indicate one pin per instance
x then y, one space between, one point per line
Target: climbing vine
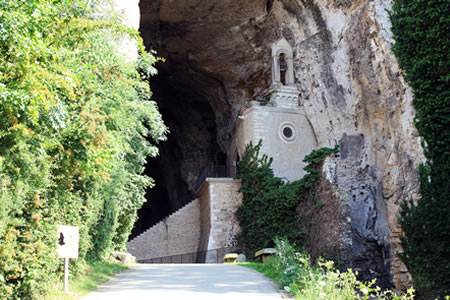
422 45
269 205
76 126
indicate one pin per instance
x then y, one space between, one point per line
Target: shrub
269 205
305 282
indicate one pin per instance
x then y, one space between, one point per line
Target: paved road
185 282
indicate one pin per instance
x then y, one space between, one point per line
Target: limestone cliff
218 59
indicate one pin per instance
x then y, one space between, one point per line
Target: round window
287 132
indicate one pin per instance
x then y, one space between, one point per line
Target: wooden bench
264 254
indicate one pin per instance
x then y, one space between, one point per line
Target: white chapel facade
286 133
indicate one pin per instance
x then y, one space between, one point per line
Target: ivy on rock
422 45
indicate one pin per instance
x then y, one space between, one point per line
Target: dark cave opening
193 94
191 146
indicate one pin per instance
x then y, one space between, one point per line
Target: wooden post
66 274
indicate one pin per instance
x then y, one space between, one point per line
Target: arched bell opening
282 63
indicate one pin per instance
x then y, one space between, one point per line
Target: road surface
187 281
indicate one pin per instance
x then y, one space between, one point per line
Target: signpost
68 238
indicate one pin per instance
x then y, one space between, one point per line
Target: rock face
218 59
125 258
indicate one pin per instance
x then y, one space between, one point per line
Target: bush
76 126
269 205
305 282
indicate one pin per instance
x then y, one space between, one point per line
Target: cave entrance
191 146
194 90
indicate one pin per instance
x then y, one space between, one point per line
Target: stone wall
206 223
219 199
177 234
203 195
225 200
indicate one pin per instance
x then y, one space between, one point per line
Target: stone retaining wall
206 223
179 233
224 201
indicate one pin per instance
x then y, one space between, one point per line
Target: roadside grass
295 274
267 269
93 275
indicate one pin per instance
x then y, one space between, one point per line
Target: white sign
68 238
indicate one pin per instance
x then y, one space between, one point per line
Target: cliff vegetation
421 31
269 205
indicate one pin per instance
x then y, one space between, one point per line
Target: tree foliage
269 205
421 31
76 126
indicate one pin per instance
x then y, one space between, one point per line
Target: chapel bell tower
283 90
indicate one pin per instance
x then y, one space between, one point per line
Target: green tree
421 31
76 127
